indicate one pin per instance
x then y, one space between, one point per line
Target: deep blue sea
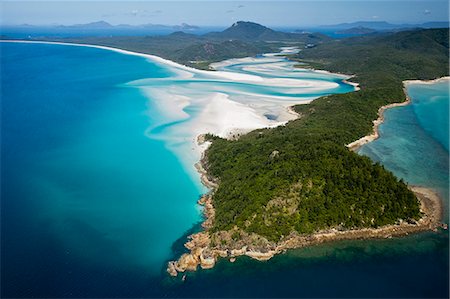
93 207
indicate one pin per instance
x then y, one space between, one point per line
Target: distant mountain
180 35
25 25
93 25
382 25
357 30
379 25
106 25
252 31
185 26
244 30
435 25
153 26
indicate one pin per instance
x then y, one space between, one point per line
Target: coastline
437 80
203 254
355 85
126 52
355 145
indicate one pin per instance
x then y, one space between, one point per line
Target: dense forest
301 177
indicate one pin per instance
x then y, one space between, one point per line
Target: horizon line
216 25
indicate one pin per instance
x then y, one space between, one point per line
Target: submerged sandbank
355 145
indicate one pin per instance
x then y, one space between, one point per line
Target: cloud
143 13
427 12
375 17
109 15
229 11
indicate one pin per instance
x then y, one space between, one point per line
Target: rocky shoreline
207 247
204 250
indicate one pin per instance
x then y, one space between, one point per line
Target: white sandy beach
442 79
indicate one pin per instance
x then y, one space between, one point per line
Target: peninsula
299 185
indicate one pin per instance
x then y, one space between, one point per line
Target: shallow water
414 139
431 106
244 94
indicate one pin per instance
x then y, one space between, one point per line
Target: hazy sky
222 13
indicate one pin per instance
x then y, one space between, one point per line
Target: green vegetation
301 177
187 49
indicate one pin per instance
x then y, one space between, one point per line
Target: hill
217 51
93 25
243 30
382 25
385 60
249 31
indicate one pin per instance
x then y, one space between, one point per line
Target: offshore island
302 183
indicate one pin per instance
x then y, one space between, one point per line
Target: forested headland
301 177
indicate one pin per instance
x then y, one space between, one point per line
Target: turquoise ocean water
414 141
79 176
93 207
